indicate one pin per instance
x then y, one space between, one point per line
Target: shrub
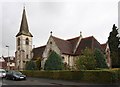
100 59
31 65
54 62
38 63
86 61
94 76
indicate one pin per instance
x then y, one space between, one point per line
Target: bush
100 59
94 76
86 61
54 62
31 65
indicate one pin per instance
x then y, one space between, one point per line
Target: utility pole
8 58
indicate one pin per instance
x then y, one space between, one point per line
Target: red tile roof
68 46
8 59
88 42
74 42
64 45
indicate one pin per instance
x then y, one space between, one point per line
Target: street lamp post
8 56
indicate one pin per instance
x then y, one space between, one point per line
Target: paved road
49 82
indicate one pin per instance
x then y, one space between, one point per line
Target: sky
65 18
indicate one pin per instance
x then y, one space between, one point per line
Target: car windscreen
18 73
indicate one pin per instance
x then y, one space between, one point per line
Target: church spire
24 30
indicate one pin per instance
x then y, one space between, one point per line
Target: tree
38 63
113 41
31 65
86 61
100 59
54 62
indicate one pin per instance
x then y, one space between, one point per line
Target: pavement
42 82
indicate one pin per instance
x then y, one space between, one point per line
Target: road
33 82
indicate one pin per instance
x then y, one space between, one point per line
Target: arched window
27 41
18 41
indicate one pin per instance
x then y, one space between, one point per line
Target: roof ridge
88 37
39 47
73 38
60 39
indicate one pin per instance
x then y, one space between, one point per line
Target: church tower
23 44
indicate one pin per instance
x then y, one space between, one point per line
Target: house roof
38 52
24 26
88 42
74 42
8 59
68 46
64 45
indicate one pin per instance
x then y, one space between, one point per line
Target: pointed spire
24 26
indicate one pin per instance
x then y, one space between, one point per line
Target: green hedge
96 76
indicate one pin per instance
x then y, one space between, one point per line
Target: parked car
15 75
2 73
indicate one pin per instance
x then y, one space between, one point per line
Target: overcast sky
66 18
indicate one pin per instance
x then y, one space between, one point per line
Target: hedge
95 76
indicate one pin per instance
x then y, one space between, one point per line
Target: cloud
65 18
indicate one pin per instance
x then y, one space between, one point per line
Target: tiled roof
68 46
64 45
74 42
88 42
37 52
8 59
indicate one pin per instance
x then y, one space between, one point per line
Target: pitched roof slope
64 45
88 42
74 42
38 52
67 46
24 26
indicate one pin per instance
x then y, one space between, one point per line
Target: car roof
2 69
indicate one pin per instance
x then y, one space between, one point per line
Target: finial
33 46
23 5
80 34
51 33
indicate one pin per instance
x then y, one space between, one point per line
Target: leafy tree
31 65
113 41
86 61
54 62
100 59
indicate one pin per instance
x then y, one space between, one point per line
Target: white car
2 73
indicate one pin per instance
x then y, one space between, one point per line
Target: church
68 49
23 44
